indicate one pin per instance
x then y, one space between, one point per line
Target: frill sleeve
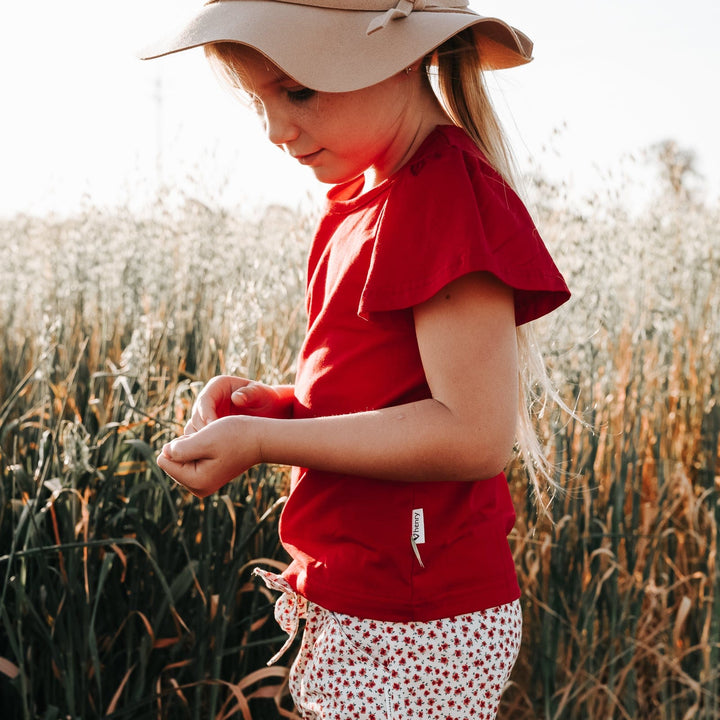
448 214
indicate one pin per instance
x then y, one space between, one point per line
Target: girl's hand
228 395
205 460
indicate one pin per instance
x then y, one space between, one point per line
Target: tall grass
622 600
122 596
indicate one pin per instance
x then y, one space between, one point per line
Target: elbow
483 454
469 446
484 466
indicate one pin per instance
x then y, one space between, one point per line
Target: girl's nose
279 127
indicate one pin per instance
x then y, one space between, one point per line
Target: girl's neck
426 115
374 176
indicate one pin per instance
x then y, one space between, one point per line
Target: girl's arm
467 342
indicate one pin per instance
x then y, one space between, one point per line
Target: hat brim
329 50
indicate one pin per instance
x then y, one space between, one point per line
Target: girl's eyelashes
296 95
300 94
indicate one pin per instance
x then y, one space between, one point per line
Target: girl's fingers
166 453
205 412
165 463
240 397
183 449
255 398
246 396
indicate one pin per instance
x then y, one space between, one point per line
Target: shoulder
449 213
449 187
449 173
446 149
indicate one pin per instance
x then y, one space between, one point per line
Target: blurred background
85 122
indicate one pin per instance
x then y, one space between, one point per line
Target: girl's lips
309 158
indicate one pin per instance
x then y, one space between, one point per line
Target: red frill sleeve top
375 255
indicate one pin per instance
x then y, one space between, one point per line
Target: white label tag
418 526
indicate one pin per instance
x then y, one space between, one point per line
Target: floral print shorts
351 668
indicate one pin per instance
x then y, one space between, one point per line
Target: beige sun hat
343 45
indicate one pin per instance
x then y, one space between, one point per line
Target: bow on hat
405 7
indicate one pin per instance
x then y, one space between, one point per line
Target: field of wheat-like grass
123 597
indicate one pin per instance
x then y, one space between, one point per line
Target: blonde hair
226 60
460 86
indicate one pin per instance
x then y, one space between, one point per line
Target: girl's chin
331 176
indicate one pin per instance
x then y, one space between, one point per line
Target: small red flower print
443 670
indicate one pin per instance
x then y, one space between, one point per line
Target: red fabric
374 256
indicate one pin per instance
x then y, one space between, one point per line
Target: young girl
405 406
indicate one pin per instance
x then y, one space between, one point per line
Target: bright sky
81 119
